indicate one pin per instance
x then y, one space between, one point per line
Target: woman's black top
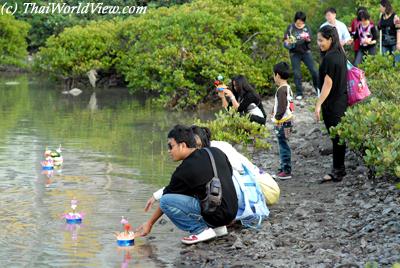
334 64
245 100
389 33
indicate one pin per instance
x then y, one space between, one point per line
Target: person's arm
282 103
326 89
374 34
397 25
146 227
346 35
229 94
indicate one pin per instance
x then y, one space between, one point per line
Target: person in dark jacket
297 39
180 199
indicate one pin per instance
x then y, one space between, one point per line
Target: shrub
231 127
383 77
176 52
79 49
12 41
373 130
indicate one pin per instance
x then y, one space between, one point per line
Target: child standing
282 118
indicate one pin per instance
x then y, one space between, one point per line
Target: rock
238 244
314 130
388 199
386 211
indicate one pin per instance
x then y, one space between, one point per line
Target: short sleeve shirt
334 64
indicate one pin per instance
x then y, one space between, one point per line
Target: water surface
114 146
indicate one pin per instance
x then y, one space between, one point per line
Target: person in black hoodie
244 99
180 199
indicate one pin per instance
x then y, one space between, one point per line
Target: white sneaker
299 97
207 234
221 231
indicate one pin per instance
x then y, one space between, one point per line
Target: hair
300 15
184 134
363 15
283 69
242 86
361 8
330 9
203 134
329 32
388 7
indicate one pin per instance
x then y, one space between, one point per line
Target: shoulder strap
212 162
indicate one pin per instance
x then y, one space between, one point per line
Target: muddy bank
345 224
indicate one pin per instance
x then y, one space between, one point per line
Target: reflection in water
114 158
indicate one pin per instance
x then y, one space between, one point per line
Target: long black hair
388 7
242 87
329 32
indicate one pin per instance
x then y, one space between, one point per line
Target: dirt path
344 224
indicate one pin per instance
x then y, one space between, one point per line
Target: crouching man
180 200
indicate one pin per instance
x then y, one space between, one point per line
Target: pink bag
357 88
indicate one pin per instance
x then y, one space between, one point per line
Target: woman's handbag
357 88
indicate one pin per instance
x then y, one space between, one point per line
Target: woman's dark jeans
296 59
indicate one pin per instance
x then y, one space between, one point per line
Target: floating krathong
127 237
73 217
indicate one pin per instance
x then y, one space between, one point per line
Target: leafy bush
383 77
231 127
79 49
12 41
373 130
45 25
176 52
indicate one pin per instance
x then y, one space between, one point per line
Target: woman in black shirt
389 24
333 98
244 99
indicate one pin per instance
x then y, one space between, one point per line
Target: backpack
357 88
252 208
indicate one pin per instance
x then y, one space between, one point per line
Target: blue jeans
361 53
296 59
184 211
391 50
285 153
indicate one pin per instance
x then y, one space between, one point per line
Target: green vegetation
79 49
175 52
46 25
231 127
372 128
12 41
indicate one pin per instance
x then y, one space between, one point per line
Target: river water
115 156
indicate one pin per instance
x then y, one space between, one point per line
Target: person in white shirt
343 32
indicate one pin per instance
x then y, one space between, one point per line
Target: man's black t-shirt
334 64
191 176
